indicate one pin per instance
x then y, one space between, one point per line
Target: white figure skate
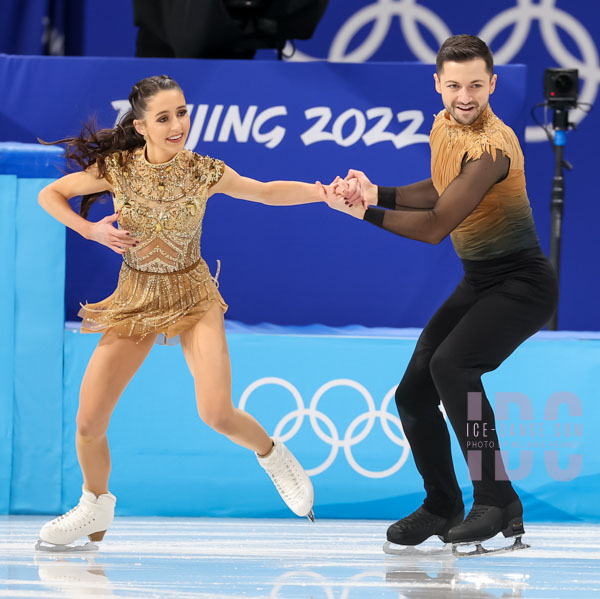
91 517
290 479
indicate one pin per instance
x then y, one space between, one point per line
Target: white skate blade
50 548
311 516
407 550
481 550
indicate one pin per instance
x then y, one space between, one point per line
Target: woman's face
165 126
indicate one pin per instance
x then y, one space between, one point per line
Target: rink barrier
329 394
32 259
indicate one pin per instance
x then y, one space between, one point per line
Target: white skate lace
75 518
285 478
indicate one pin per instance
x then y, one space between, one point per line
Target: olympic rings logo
331 436
381 14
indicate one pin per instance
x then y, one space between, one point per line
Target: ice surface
202 558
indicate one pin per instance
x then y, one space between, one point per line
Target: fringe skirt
145 303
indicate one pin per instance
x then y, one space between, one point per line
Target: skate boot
293 484
416 528
91 517
485 522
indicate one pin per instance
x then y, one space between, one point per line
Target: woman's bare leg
112 365
205 349
207 356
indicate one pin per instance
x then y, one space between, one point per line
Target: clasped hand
351 195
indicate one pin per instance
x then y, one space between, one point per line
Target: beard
466 118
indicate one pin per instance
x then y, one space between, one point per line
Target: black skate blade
481 550
311 516
407 550
50 548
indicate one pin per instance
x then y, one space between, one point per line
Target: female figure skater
159 191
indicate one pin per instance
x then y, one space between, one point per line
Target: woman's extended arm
273 193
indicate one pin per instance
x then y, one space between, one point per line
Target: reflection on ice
74 577
424 576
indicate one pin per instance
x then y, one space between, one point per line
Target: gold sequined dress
164 284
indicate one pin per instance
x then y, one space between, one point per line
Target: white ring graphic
331 436
381 14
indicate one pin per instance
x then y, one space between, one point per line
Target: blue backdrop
271 120
537 33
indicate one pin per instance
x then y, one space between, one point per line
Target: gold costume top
164 284
502 223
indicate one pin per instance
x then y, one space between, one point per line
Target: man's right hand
106 234
369 190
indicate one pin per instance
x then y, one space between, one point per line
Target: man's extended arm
457 201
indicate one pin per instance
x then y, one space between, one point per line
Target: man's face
465 88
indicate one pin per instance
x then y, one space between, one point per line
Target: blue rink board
167 462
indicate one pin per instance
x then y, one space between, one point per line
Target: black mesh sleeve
421 195
386 197
459 199
374 216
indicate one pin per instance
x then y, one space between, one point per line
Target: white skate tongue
50 548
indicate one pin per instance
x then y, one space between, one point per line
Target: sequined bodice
163 206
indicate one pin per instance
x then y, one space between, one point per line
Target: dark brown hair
460 48
92 146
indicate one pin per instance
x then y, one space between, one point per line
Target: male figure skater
476 194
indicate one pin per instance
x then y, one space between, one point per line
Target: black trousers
496 306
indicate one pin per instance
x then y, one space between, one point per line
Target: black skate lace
477 511
417 519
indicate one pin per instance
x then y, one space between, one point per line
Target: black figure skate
485 522
416 528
